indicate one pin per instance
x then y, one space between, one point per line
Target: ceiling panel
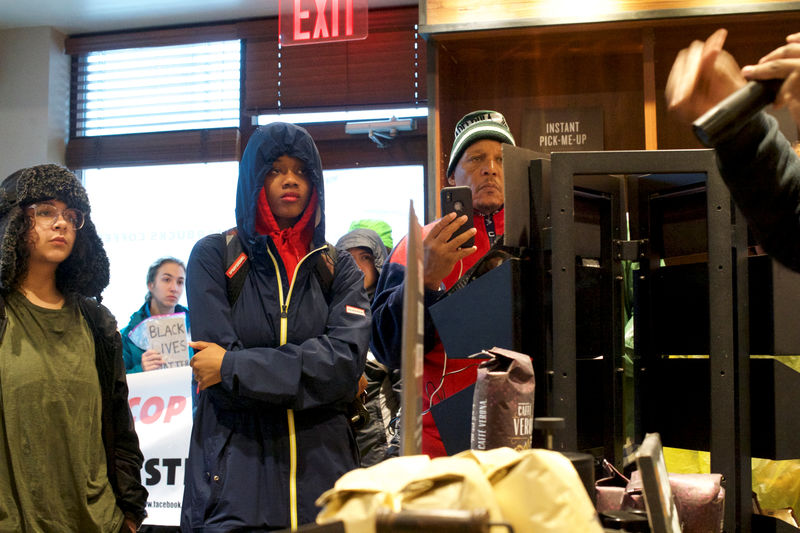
88 16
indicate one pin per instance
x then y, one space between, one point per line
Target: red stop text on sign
156 409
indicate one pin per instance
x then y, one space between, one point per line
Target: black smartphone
459 200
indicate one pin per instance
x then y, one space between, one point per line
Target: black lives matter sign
563 130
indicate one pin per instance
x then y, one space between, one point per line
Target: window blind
157 89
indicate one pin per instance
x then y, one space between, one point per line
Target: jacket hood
266 145
86 270
364 238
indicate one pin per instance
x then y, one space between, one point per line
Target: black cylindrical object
432 521
584 465
724 119
548 424
632 522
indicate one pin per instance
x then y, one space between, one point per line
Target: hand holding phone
459 200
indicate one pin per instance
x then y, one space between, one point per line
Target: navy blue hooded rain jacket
273 435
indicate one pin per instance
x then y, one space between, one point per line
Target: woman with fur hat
71 458
278 367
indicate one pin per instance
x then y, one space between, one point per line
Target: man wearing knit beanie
476 161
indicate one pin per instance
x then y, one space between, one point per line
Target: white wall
34 98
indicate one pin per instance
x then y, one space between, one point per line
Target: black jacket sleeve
762 172
123 456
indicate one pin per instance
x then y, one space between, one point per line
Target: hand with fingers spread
440 253
206 363
782 63
701 76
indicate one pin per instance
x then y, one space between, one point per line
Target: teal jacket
132 353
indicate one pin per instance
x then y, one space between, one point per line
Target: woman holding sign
70 458
165 281
280 351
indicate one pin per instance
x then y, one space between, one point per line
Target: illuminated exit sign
322 21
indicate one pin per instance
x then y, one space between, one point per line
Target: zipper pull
284 313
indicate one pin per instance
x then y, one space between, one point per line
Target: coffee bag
502 406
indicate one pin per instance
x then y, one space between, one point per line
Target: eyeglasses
46 214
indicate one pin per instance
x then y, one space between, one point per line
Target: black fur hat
86 270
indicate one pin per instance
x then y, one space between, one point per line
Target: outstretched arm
758 164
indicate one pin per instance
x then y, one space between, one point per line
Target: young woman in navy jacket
276 369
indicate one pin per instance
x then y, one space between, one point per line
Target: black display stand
691 297
694 293
570 228
648 175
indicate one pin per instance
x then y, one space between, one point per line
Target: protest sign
165 334
161 404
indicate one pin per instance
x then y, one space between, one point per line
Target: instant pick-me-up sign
563 129
318 21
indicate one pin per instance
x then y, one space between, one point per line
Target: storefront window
143 213
376 193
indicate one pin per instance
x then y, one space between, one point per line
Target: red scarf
293 242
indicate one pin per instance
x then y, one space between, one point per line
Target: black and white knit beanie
86 271
477 125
